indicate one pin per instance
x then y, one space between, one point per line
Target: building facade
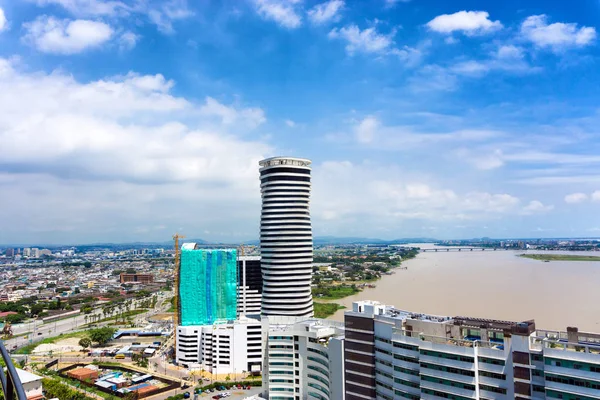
303 360
249 285
286 241
207 285
231 348
137 278
396 354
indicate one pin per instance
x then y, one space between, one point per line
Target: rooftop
26 376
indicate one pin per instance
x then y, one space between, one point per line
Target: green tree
102 335
85 342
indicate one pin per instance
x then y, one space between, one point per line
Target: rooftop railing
11 384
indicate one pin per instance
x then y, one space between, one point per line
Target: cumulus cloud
87 8
469 22
128 40
363 41
536 207
148 147
575 198
3 21
558 36
230 115
326 12
367 129
596 195
396 198
162 13
51 35
290 123
284 12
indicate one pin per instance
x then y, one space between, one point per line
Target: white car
226 394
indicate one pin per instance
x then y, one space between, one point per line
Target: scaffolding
207 286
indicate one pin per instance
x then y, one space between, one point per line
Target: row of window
447 356
450 370
443 394
492 389
572 364
446 382
573 381
492 361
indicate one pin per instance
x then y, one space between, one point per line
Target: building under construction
207 285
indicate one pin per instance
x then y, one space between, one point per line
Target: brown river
495 285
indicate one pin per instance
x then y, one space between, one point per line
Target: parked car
186 395
217 396
226 394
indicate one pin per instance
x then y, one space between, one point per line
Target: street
37 330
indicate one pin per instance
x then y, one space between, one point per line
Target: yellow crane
176 318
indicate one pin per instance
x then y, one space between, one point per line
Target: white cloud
575 198
325 12
164 13
596 195
283 12
468 22
433 78
557 36
230 115
128 40
51 35
536 207
506 58
396 199
159 158
89 8
392 3
367 129
161 13
363 41
290 123
509 52
3 22
472 67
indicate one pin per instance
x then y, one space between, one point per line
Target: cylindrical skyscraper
286 241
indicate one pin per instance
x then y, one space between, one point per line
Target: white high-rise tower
286 241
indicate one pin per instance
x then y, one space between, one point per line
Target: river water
495 285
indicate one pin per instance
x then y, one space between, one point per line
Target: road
37 330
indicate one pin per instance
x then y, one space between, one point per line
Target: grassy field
324 310
29 348
560 257
334 292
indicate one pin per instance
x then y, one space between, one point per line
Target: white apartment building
397 354
230 348
303 360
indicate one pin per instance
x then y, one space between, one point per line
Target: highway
37 330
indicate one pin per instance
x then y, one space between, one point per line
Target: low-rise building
137 278
32 384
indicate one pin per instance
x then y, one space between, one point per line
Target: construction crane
176 316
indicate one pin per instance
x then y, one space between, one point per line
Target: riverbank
560 257
324 310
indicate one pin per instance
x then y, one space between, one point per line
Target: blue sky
129 120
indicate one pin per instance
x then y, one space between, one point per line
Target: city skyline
128 121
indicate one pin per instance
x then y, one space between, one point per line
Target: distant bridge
448 249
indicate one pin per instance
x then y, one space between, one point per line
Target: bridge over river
448 249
